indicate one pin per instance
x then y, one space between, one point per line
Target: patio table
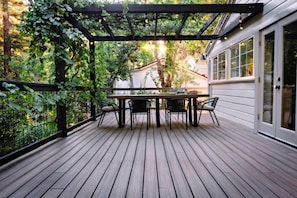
191 97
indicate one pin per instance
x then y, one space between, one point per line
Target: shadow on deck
106 161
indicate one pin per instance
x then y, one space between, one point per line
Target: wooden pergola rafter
117 22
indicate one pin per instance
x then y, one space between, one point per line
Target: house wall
145 77
238 98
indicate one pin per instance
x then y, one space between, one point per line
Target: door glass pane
268 78
289 76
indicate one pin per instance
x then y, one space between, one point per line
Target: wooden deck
208 161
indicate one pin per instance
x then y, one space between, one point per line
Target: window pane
250 58
268 78
250 70
235 72
250 45
246 58
215 69
243 71
289 75
222 64
243 59
243 47
234 51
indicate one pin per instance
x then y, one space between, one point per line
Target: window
242 59
235 61
215 69
219 67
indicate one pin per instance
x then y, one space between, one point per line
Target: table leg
158 112
195 112
121 113
190 110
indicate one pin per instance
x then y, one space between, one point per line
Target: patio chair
138 106
208 105
105 107
176 105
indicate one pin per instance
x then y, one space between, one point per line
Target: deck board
107 161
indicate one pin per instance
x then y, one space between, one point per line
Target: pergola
144 22
135 22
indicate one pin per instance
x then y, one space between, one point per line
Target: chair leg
147 120
186 121
211 117
101 118
199 117
170 120
216 118
115 113
131 120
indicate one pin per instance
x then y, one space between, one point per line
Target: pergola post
60 78
93 78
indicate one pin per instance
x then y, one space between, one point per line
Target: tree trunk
6 39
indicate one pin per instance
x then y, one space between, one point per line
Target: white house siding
144 78
239 99
236 102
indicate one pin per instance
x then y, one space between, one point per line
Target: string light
240 26
240 23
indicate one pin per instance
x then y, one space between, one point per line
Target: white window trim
228 64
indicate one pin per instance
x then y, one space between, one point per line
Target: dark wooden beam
156 26
93 79
185 17
151 38
60 78
79 26
130 26
173 8
106 27
207 24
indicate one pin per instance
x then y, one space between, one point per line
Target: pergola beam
153 37
207 24
172 8
130 26
79 26
185 17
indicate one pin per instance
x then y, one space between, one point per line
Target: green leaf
14 105
2 94
38 107
12 88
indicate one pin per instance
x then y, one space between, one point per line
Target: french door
278 81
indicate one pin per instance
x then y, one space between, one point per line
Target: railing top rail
133 89
35 86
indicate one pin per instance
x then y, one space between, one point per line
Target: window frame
239 59
217 64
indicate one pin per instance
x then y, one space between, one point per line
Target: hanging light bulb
240 27
240 23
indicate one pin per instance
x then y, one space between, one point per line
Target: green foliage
114 61
54 38
23 114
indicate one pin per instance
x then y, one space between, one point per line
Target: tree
13 45
6 39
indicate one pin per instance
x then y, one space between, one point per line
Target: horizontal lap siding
238 99
236 102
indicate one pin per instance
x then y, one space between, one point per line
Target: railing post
60 78
93 78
